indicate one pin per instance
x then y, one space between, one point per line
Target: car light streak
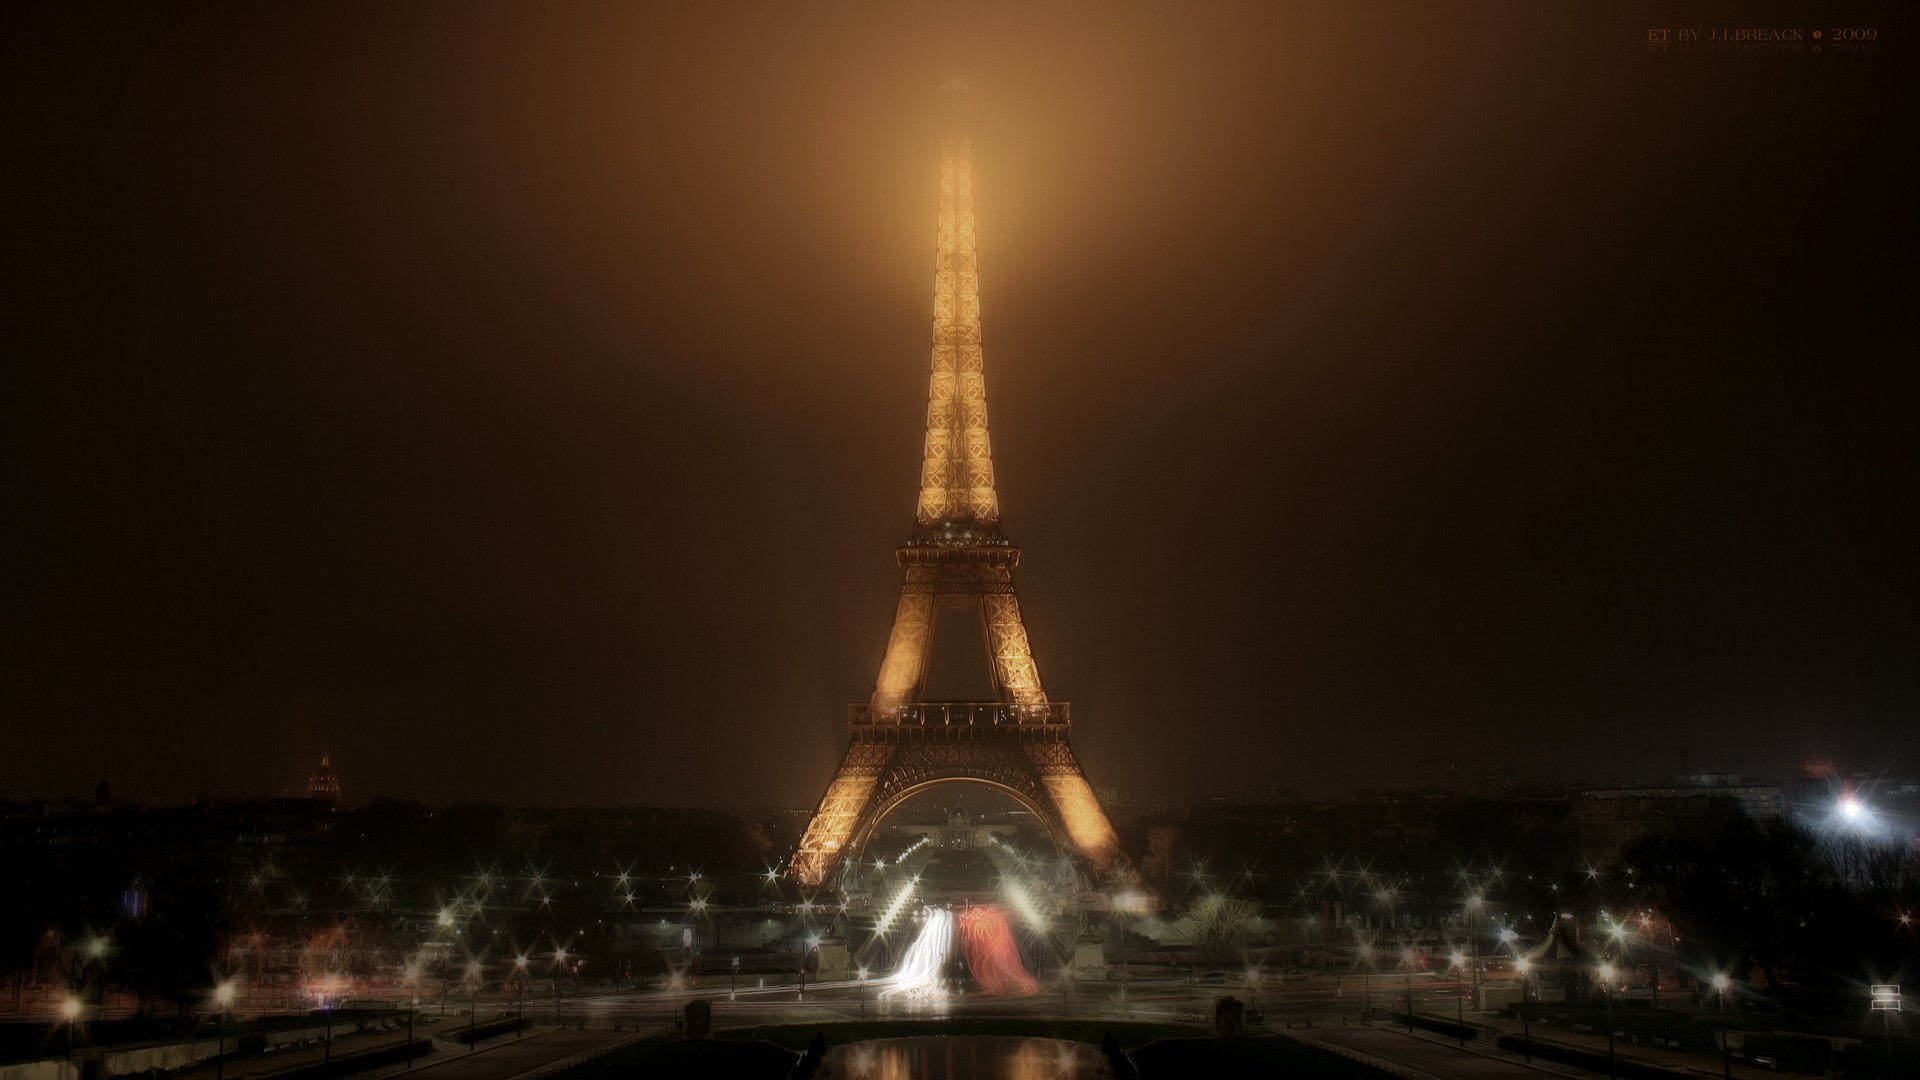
992 956
920 970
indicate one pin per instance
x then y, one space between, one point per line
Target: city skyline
518 428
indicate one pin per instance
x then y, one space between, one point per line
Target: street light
70 1012
1606 980
1127 903
1459 1003
1366 980
1720 984
1406 964
1474 903
1523 966
519 991
1618 932
223 997
473 1004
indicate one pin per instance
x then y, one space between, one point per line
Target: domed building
324 784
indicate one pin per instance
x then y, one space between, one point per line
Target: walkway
1418 1058
506 1057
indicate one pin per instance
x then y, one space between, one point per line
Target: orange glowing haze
1370 382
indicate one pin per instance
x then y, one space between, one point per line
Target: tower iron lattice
957 557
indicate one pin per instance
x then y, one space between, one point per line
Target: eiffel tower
900 744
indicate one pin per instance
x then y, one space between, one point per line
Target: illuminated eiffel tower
957 557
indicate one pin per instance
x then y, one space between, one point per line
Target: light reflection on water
966 1057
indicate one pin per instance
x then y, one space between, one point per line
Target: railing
952 714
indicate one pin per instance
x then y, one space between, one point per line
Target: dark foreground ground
1161 1050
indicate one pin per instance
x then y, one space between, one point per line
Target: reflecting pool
965 1057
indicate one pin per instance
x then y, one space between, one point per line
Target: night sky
524 401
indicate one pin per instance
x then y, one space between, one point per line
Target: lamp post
1459 1002
1366 980
223 997
1720 984
1474 903
1606 981
519 992
1526 1030
1618 931
1409 1000
1406 966
70 1012
1126 903
412 974
1653 959
473 1004
97 948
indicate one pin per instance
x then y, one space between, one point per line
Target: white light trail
918 975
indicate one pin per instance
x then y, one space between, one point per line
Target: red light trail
992 956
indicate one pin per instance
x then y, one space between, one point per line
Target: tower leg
841 810
1014 670
905 666
1075 804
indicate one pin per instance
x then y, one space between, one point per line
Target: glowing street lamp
1720 984
1459 1003
1406 965
519 990
223 997
70 1013
1366 979
1606 988
1130 903
1523 967
473 1004
413 979
1474 903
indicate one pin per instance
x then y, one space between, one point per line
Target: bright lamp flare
900 899
992 955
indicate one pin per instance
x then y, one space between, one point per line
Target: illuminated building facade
957 557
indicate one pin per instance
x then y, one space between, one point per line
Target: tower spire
956 473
